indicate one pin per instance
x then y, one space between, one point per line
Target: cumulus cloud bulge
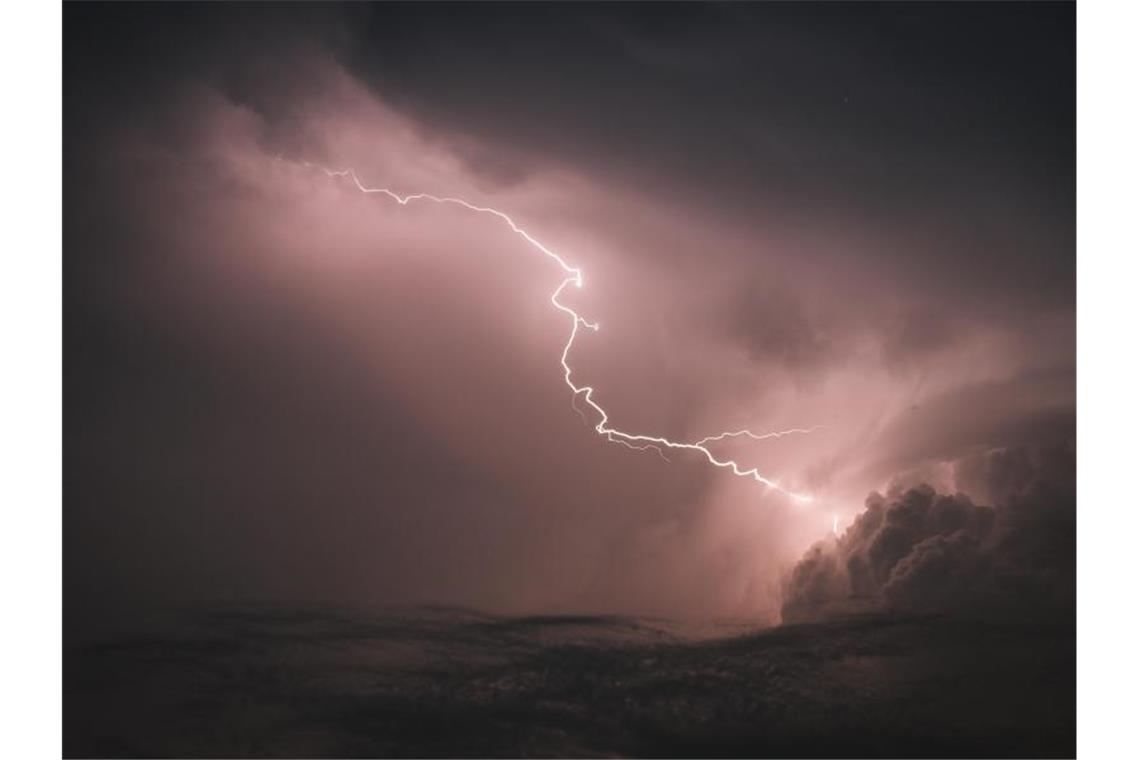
278 387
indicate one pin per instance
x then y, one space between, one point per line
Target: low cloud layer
1010 550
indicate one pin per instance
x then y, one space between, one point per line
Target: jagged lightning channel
573 276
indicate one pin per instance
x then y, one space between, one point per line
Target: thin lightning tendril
573 276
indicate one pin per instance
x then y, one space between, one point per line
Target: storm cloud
918 550
277 387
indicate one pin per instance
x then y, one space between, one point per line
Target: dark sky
859 216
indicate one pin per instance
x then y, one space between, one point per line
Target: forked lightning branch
572 277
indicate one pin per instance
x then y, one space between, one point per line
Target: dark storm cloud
918 550
949 128
942 135
851 216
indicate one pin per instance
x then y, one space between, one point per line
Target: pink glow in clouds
573 278
444 317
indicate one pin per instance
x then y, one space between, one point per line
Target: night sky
854 216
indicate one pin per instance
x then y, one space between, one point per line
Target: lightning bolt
572 276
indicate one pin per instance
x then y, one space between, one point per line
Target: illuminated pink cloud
444 316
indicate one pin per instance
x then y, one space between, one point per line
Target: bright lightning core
573 276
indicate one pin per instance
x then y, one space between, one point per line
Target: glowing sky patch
573 276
